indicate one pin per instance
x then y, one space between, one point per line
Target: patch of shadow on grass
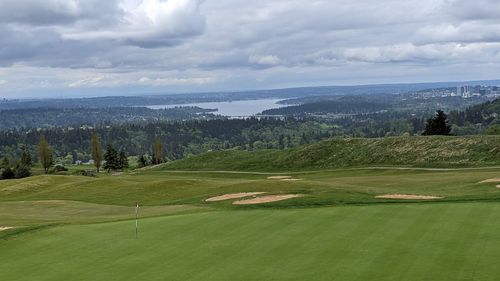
17 231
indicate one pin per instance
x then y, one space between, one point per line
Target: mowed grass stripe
405 240
288 241
459 241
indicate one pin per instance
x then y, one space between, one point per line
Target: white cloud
269 60
175 81
87 81
150 23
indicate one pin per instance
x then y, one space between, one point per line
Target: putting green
436 241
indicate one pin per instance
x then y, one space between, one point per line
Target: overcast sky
95 47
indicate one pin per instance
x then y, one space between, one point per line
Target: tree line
180 138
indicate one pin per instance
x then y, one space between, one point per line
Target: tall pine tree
123 160
437 125
111 158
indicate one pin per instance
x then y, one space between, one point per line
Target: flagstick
136 211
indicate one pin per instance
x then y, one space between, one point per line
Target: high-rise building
464 91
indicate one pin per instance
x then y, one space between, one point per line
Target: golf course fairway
431 241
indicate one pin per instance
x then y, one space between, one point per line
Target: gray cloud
474 10
53 12
229 44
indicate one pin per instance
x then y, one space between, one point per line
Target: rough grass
434 151
397 242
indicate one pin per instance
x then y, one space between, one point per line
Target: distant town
464 91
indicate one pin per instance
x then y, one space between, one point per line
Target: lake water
231 108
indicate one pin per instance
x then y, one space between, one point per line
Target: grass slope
159 188
434 151
32 213
398 242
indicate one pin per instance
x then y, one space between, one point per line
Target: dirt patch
3 228
233 196
491 180
267 199
408 197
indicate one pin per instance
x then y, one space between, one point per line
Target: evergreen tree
44 153
26 160
123 160
142 161
281 142
112 159
437 125
5 163
96 151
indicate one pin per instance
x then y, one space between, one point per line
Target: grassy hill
342 226
436 151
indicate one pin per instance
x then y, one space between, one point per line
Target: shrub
86 173
7 174
22 172
60 168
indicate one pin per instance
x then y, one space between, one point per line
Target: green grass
398 242
435 151
33 213
79 228
323 188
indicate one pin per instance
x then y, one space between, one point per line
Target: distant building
464 91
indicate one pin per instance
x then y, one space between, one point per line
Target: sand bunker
267 199
233 196
279 178
3 228
491 180
283 178
408 197
498 186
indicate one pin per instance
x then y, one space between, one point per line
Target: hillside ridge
418 151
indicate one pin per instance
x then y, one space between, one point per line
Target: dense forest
181 138
329 107
413 102
57 117
191 131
